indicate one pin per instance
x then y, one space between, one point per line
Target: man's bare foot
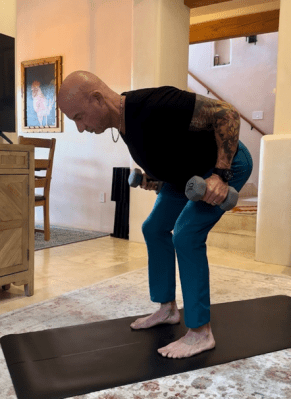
196 340
167 314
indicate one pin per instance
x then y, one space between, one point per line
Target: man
173 135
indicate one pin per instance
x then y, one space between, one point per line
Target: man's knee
148 227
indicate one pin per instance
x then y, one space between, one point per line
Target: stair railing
216 95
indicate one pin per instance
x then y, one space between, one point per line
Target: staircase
236 230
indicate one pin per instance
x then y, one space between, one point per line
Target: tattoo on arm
203 116
224 119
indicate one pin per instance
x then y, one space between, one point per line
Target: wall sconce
252 39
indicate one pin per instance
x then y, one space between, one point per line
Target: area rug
265 376
62 236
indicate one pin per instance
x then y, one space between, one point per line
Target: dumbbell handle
196 188
135 179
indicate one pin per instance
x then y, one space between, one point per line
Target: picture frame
41 80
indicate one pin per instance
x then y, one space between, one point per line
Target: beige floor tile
74 266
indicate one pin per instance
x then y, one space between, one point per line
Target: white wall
91 35
274 217
160 57
247 83
94 35
8 17
8 28
283 110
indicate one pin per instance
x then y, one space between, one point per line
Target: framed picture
40 83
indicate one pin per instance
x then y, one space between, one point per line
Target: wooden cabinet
17 216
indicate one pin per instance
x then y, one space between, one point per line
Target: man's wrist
225 174
214 174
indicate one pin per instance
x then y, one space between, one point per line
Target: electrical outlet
258 115
102 197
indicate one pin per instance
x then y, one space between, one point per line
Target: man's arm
225 120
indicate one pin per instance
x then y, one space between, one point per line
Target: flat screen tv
7 83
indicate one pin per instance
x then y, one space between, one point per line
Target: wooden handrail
216 95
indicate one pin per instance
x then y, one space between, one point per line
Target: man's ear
97 95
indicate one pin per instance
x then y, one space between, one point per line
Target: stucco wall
94 36
248 83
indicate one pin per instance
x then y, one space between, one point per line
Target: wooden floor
70 267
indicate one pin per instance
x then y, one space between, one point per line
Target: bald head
79 83
87 100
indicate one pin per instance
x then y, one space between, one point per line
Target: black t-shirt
158 137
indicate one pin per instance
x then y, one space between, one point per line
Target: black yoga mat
71 361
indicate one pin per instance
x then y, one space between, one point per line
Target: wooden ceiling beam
245 25
202 3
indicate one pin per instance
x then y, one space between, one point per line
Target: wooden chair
42 181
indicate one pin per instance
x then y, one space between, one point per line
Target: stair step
247 201
242 240
248 190
232 221
236 230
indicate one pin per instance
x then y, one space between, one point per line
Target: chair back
42 164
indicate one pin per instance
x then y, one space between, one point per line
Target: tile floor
70 267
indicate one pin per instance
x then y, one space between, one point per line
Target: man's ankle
171 304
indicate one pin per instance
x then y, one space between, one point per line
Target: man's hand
148 185
216 190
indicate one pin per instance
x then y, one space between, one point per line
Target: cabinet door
13 224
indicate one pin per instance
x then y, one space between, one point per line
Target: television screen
7 83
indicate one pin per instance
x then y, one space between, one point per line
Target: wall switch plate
102 197
258 115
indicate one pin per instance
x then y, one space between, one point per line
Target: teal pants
178 225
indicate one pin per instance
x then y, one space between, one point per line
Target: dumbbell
196 188
135 179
